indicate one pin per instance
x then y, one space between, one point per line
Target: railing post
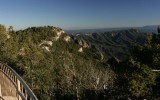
19 89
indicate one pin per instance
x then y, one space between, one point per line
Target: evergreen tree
2 29
10 29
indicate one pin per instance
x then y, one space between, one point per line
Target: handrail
23 90
1 98
155 70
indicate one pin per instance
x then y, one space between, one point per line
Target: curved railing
23 91
1 98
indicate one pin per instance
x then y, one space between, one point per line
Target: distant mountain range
111 44
148 28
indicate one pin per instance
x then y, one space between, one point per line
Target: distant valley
111 44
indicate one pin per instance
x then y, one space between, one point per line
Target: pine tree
2 28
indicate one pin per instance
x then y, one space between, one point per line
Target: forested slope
52 64
58 66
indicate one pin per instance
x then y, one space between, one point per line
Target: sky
79 14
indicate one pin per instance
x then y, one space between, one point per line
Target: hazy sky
79 14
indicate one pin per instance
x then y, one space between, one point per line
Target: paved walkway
12 86
7 89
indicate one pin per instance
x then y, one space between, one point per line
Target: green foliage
149 53
2 29
10 29
58 71
135 80
141 80
135 76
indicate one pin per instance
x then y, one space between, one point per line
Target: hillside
52 64
111 44
58 66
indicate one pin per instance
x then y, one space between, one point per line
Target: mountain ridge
146 28
111 44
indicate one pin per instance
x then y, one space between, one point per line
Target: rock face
80 49
67 38
46 48
58 34
80 41
46 45
111 44
46 42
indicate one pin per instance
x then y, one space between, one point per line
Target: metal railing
1 98
23 90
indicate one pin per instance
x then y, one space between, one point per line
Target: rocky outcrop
81 42
67 38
